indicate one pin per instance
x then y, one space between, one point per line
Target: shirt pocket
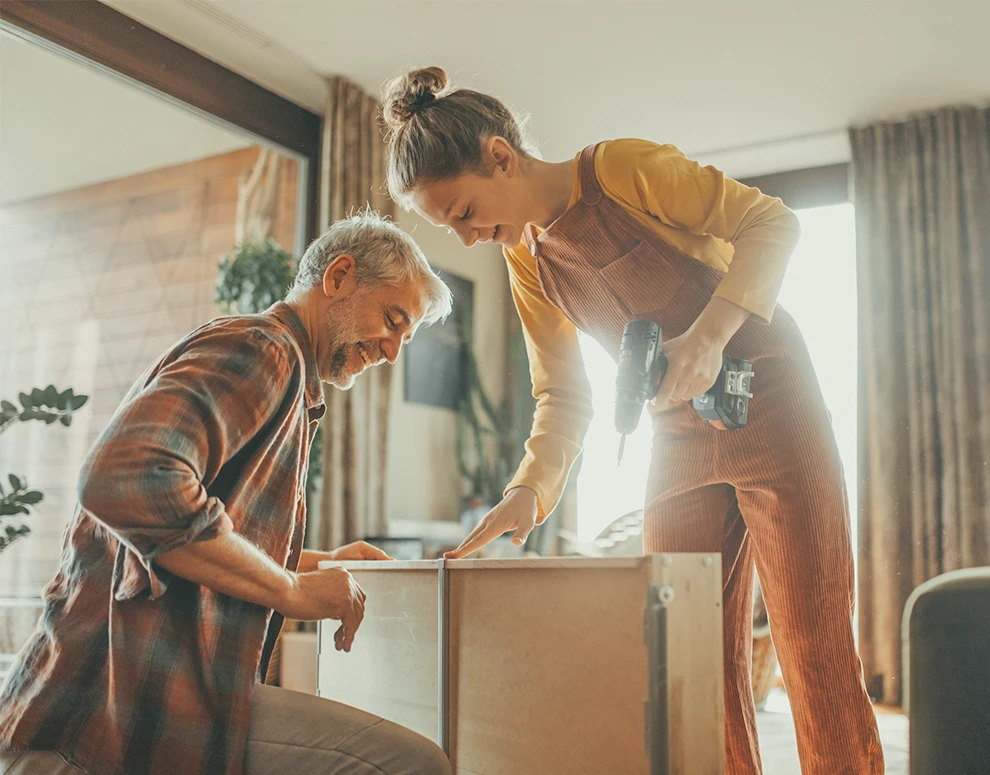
643 280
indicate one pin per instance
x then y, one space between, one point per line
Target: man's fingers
370 552
358 618
350 623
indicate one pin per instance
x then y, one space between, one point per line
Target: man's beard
342 335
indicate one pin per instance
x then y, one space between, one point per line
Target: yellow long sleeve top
736 229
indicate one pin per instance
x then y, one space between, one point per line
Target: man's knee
420 755
429 759
397 750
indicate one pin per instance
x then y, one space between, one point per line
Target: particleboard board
694 648
548 670
547 665
392 667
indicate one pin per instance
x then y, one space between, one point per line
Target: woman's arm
560 422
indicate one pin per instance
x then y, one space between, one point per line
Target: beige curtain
922 198
355 428
257 199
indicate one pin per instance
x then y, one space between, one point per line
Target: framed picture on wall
435 361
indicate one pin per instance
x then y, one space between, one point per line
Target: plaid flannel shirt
133 670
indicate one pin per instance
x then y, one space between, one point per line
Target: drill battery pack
726 404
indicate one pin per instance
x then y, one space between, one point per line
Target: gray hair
383 255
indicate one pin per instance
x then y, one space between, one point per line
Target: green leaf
6 509
7 407
63 399
25 400
37 396
66 420
21 510
77 401
50 419
51 396
11 531
32 497
15 482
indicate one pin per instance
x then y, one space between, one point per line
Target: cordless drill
642 365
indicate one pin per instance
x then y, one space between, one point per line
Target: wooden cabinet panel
546 663
392 668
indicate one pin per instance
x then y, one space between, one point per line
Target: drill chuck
641 367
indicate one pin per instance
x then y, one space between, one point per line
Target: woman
630 229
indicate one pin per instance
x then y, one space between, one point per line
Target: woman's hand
693 364
694 358
516 512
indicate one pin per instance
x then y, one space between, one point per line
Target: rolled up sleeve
146 479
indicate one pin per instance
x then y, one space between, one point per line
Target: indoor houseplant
17 500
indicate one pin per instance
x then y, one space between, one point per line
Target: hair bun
409 93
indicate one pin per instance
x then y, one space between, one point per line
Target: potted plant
253 276
47 406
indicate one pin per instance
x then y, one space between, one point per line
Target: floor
779 749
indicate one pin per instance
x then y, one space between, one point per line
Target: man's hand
234 566
517 511
331 593
359 550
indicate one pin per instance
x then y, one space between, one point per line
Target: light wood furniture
531 667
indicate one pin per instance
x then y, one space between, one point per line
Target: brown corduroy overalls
772 492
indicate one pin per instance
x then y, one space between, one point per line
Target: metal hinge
655 708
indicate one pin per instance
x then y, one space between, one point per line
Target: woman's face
479 208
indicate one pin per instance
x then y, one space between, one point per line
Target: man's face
367 327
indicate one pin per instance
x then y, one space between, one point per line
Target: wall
96 283
424 482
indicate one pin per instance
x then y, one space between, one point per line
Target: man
189 533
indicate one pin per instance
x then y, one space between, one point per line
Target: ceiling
64 126
754 87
